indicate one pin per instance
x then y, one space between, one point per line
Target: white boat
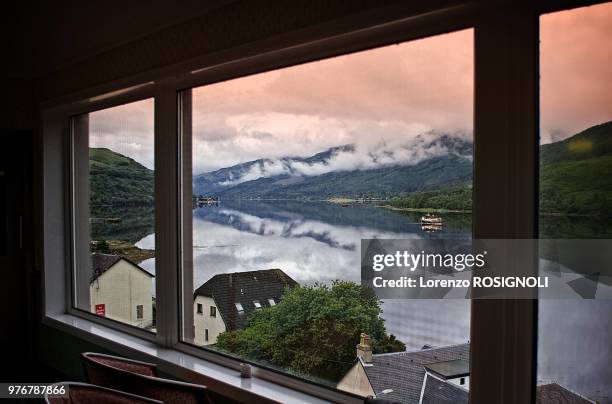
430 219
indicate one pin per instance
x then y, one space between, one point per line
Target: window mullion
166 214
503 334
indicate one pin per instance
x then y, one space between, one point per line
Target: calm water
319 242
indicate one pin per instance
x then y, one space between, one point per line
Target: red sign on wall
101 309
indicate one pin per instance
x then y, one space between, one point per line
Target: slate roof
101 263
450 369
403 372
244 288
555 394
441 392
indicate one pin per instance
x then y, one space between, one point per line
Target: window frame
501 96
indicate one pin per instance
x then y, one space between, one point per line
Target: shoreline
423 210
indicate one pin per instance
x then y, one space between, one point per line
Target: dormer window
271 302
257 304
239 308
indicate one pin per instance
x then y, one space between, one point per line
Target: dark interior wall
223 25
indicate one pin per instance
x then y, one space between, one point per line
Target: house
224 302
121 290
408 377
427 376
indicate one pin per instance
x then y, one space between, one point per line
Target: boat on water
431 219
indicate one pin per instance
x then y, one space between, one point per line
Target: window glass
113 176
290 170
574 350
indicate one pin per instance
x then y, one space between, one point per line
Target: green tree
313 330
102 247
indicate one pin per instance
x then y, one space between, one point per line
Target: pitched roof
403 372
554 393
244 288
437 391
450 369
101 263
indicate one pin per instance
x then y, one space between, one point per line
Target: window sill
218 378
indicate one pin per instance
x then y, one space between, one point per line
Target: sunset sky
379 99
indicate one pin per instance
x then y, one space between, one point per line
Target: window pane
574 350
114 213
291 169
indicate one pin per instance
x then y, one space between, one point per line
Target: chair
140 378
81 393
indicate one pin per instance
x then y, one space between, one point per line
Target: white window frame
505 196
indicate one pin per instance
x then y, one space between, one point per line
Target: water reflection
319 242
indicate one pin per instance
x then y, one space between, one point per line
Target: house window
139 312
206 334
290 168
213 311
199 308
113 178
576 199
462 381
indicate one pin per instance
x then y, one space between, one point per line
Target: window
113 181
574 334
291 168
206 334
199 308
213 311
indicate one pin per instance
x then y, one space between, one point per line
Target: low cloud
367 154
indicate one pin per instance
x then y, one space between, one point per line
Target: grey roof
555 394
101 263
403 372
450 369
441 392
244 288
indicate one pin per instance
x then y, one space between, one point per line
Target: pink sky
383 96
576 70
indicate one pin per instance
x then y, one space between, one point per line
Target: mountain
576 173
118 180
447 164
593 142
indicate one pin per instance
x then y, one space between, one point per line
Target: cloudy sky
378 100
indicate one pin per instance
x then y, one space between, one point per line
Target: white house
121 290
224 302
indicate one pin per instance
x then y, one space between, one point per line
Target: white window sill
188 367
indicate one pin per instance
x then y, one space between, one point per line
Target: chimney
364 350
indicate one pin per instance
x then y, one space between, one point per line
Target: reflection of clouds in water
581 331
434 322
307 250
147 243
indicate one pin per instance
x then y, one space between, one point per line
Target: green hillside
454 198
118 180
576 173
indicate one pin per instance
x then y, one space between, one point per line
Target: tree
313 330
102 247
